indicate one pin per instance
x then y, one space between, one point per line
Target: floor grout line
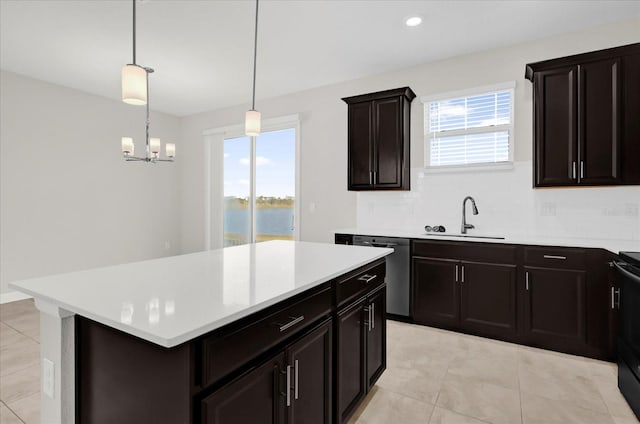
13 412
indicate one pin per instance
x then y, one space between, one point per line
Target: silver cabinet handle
615 304
370 178
526 280
573 171
555 257
456 273
373 315
581 169
294 321
288 385
368 322
462 274
367 278
295 373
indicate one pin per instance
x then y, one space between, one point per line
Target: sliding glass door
260 187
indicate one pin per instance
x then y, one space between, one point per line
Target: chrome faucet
466 226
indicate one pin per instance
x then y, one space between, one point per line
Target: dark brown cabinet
350 364
311 361
259 388
294 385
585 118
557 298
379 140
376 337
555 308
361 343
456 292
297 361
361 350
488 294
436 292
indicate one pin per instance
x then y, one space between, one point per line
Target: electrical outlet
631 209
167 245
548 209
48 377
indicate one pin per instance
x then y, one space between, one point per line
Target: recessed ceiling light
412 21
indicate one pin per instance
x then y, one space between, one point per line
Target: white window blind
469 129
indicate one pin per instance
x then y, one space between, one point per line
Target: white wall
326 203
67 199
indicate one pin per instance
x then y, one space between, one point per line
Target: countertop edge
605 244
190 335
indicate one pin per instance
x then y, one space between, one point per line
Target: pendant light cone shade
252 123
134 85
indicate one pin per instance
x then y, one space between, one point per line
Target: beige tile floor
432 377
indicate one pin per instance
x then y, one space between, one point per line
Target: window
474 127
251 183
259 187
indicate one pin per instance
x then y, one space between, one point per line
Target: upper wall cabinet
379 141
587 118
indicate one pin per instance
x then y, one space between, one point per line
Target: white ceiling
202 51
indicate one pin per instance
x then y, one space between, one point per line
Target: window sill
477 167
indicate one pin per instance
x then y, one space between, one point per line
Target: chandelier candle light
135 91
252 117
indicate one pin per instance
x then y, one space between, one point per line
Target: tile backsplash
507 205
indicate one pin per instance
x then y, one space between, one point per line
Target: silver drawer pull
367 278
555 257
294 321
288 385
295 373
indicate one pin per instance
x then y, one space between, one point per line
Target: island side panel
123 379
57 359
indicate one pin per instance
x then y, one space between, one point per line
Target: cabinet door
555 312
388 142
488 299
599 122
360 146
555 129
311 359
376 337
630 157
436 292
253 398
351 386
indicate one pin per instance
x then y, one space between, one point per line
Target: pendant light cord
134 32
255 55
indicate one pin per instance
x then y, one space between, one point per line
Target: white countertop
614 246
171 300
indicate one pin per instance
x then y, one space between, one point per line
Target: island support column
57 346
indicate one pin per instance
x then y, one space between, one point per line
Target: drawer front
363 281
555 257
466 251
224 353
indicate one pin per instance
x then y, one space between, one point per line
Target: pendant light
134 85
135 91
252 117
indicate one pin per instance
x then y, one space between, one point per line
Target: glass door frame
214 177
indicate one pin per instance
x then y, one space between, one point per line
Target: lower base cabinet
361 350
556 298
296 362
292 387
555 308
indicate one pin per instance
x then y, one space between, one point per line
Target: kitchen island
263 332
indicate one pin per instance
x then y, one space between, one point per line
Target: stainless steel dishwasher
397 271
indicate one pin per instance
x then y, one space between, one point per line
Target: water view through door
259 187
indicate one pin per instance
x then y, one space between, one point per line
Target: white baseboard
12 296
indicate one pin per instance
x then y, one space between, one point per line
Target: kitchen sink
463 235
